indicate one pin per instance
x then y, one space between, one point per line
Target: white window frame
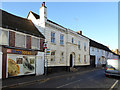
72 40
20 34
79 58
79 46
85 59
2 29
61 40
38 48
54 56
85 47
53 38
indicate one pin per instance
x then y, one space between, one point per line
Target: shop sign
14 51
20 65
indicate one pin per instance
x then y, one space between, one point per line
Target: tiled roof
99 45
16 23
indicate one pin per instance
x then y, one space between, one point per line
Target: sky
97 20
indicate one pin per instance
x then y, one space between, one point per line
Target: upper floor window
72 40
19 40
85 46
92 48
79 44
52 37
61 39
3 37
97 50
35 43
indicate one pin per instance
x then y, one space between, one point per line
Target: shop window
53 56
3 37
19 40
61 39
52 37
35 43
79 45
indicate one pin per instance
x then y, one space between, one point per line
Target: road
91 79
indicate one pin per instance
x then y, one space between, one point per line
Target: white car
112 67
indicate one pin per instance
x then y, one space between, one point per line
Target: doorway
71 60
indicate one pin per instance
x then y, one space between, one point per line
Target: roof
99 45
20 24
38 17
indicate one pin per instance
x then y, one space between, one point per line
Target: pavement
27 80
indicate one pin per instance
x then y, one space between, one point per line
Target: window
35 43
79 44
61 39
3 37
85 46
62 57
52 37
19 40
85 59
97 50
53 56
79 59
92 48
72 40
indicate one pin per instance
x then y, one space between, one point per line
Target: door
92 61
71 60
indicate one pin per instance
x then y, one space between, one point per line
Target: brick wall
11 39
28 42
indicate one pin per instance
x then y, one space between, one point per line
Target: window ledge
53 43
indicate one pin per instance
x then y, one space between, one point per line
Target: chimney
79 32
43 14
43 4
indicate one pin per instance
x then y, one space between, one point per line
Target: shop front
18 62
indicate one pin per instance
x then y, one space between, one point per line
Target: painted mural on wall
20 64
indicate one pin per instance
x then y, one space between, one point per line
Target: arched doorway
71 60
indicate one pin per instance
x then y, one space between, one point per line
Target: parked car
112 67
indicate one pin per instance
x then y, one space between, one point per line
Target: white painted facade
101 55
40 63
68 48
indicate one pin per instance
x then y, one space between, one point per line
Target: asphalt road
91 79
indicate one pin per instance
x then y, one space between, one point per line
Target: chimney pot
79 32
43 4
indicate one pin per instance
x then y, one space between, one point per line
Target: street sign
48 52
45 45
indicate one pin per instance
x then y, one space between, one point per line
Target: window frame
79 46
25 39
53 38
2 29
38 48
61 40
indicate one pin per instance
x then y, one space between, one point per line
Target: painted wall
40 63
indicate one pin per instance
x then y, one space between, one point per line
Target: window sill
62 45
53 43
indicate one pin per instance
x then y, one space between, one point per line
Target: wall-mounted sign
48 52
20 64
45 45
